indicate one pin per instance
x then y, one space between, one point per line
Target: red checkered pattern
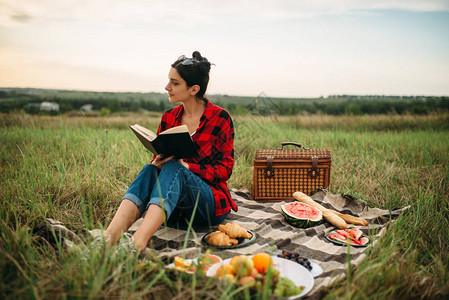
214 140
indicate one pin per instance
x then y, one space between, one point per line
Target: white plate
316 269
289 269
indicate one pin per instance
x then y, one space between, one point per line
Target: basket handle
291 144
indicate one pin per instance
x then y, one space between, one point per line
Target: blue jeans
180 189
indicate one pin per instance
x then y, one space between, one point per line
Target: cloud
13 15
21 18
14 12
85 43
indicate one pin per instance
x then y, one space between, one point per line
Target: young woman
167 189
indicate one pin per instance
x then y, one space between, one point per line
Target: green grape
275 272
287 287
278 291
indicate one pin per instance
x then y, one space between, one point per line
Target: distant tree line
333 105
27 103
347 107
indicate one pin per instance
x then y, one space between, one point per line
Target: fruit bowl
288 269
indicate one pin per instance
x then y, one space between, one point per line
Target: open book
174 141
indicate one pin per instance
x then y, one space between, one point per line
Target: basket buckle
269 172
314 172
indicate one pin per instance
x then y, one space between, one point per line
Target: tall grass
76 169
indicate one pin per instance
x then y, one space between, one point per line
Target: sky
282 48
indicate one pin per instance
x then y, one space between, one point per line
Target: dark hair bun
197 56
203 66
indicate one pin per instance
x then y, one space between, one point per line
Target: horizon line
261 94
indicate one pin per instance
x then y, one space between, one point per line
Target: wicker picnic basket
279 173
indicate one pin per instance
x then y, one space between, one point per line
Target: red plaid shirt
214 140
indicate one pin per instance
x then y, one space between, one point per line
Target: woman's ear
194 90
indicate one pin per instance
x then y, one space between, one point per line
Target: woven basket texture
291 172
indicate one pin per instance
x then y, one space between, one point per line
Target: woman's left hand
159 161
182 162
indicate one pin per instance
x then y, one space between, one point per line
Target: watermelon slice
351 236
344 233
301 215
353 233
364 241
338 237
356 234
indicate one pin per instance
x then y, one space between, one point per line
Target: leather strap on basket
314 172
269 170
292 144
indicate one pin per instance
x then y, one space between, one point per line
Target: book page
177 129
145 132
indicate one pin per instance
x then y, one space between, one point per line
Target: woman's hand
159 161
182 162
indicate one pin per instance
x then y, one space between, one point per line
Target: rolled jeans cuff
165 206
133 198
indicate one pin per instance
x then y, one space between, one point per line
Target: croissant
219 238
234 230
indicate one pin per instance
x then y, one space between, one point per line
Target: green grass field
76 170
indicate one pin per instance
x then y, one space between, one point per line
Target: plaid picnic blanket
273 234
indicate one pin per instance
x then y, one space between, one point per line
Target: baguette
334 219
327 214
351 219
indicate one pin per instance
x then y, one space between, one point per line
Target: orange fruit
262 261
223 270
180 262
233 259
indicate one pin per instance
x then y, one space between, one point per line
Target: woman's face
177 88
